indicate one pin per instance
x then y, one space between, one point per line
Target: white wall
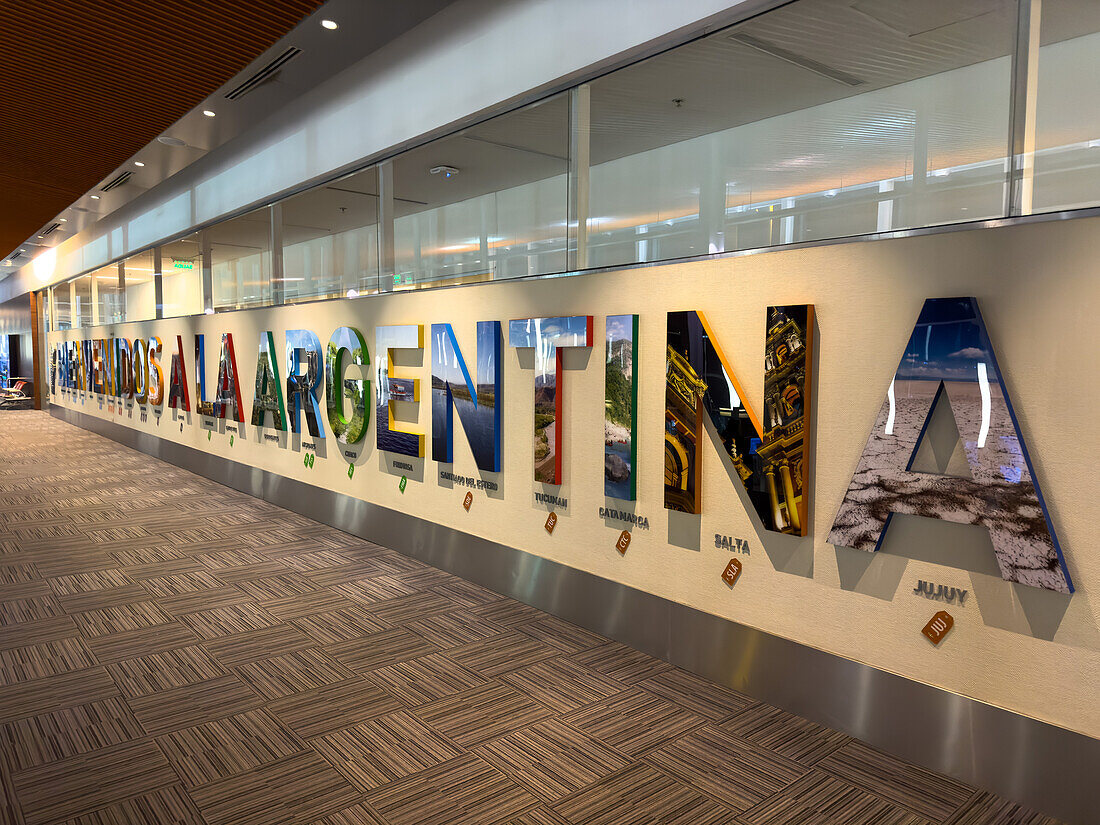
1038 286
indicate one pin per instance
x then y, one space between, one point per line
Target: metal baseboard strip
1037 764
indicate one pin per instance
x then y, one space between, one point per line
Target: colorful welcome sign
949 360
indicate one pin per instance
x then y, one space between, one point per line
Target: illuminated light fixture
831 193
353 293
62 220
95 197
447 172
210 310
208 113
329 24
45 264
138 163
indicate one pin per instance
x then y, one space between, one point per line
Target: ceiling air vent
121 179
263 74
51 228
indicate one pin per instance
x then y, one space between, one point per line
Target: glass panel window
241 260
816 120
84 311
61 298
330 239
181 276
1067 119
108 302
489 202
141 298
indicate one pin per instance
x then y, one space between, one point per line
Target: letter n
769 454
478 404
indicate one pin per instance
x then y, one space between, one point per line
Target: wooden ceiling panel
85 85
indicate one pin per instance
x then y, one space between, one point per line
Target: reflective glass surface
487 203
240 251
330 239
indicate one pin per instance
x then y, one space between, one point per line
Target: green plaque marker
305 460
312 458
404 481
209 433
231 440
351 470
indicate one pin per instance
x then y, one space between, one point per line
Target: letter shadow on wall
389 463
491 478
788 554
1031 611
631 507
178 416
552 491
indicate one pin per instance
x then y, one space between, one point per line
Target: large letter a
949 358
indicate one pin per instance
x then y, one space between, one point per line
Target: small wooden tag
551 522
623 542
466 502
732 572
938 627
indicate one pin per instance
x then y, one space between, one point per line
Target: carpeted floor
173 651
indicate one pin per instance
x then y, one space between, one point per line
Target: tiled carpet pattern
172 651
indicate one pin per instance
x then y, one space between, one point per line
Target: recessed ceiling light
329 24
95 197
42 236
138 163
208 113
63 220
168 140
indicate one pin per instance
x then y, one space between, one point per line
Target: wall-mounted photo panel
548 336
620 408
988 480
179 393
124 362
478 403
227 402
390 388
203 406
345 343
769 455
156 375
269 389
140 366
303 380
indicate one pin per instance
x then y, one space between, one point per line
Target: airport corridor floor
173 651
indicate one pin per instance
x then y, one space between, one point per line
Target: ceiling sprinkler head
446 171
